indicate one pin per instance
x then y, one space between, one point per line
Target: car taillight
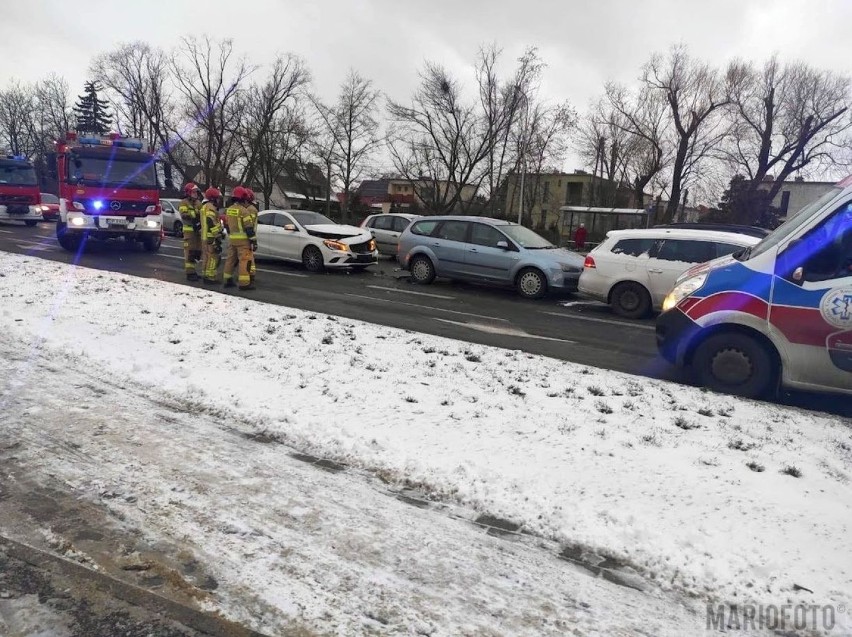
589 262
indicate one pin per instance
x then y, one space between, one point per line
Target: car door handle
474 250
654 271
436 244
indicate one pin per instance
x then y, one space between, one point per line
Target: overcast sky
584 43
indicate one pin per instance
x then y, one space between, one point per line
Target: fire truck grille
115 207
17 200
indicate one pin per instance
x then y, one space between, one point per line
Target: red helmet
212 193
250 194
190 188
240 193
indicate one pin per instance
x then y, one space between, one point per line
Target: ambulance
775 315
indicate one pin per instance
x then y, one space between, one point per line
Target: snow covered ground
692 490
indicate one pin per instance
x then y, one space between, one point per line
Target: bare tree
785 119
353 127
279 147
17 120
270 117
645 118
138 78
53 102
447 147
212 84
695 93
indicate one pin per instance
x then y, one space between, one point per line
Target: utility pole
524 142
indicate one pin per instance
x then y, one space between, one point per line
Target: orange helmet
212 193
240 193
190 188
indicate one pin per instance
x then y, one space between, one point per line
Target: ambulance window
827 248
686 251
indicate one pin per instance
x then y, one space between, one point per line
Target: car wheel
178 229
531 283
631 300
66 240
312 259
422 270
735 364
152 244
30 222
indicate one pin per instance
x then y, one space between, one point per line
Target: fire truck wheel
152 244
67 240
30 222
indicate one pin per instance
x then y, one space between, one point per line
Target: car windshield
311 219
788 227
17 174
526 238
108 171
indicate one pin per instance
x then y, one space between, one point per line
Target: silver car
487 250
386 229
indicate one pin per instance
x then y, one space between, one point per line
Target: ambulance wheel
30 222
734 364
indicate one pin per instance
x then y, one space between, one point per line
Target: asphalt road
568 327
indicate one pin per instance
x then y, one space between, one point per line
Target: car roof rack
752 231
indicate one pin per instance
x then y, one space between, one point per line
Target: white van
777 315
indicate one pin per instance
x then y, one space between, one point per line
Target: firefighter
241 237
211 236
189 210
252 208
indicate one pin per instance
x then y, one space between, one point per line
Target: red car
49 207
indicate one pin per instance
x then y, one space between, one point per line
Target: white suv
633 270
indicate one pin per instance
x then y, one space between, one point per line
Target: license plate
116 222
365 258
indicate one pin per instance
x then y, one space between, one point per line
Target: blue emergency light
98 204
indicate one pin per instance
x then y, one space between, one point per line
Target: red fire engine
19 193
107 188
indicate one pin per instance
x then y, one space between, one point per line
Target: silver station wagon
480 249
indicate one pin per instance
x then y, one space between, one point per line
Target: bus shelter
599 221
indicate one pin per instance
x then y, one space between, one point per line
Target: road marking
576 303
6 231
504 331
33 247
434 296
578 317
426 307
296 274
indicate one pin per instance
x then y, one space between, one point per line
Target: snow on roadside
647 472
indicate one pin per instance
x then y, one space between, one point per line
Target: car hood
564 257
349 234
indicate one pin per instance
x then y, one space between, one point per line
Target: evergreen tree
743 205
91 111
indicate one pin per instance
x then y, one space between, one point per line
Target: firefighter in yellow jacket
211 236
241 238
252 208
189 209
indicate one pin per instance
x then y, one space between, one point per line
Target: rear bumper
675 332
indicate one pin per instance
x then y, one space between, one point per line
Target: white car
634 270
386 229
171 216
314 240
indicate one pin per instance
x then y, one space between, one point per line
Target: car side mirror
290 227
503 245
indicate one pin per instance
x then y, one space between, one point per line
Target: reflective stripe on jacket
189 211
210 226
238 218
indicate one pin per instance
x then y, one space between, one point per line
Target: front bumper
339 259
675 331
104 226
20 213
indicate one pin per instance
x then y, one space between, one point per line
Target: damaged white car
314 240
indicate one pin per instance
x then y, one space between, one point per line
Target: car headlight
372 245
45 209
331 244
77 221
152 223
683 290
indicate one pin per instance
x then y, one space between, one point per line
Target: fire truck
19 192
107 187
